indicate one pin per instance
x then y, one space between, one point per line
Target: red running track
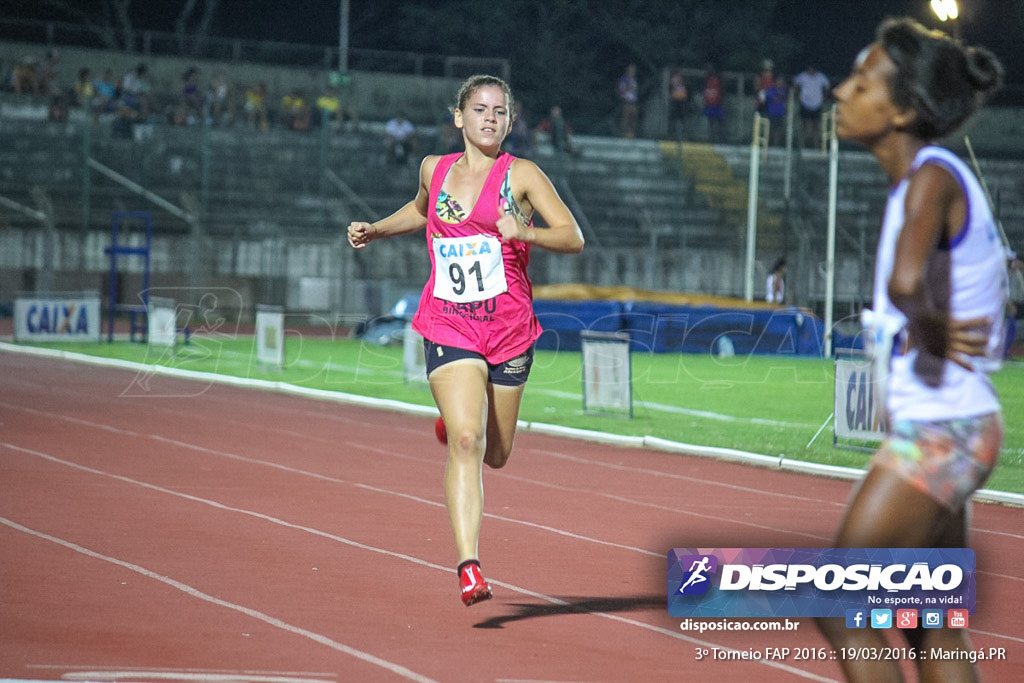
156 529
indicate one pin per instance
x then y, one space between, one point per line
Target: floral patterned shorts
947 460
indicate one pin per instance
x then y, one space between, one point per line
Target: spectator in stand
812 87
519 141
762 82
256 106
295 111
24 78
775 109
678 102
218 95
775 288
59 106
400 139
559 131
85 90
451 137
48 74
627 89
106 92
1015 302
133 105
190 107
713 111
328 107
135 92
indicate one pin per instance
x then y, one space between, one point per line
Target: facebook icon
856 618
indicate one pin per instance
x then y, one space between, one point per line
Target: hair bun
984 71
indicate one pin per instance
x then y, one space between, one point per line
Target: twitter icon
881 618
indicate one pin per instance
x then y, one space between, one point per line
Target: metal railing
233 50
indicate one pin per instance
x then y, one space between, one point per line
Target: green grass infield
777 406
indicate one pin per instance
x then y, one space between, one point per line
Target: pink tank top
479 296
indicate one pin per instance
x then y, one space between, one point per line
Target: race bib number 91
468 269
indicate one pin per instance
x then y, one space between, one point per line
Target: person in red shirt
713 111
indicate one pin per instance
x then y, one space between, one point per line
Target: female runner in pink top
476 312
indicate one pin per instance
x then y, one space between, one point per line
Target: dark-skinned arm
934 211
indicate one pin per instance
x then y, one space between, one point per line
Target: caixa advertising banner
60 316
817 582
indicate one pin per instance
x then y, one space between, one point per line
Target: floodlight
945 10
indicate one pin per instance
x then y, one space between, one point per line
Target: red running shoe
471 581
441 431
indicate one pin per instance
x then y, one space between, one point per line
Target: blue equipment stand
136 312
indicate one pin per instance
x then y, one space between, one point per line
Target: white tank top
979 287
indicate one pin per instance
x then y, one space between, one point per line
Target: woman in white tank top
940 280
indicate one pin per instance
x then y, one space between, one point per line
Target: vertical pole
787 182
86 173
112 299
204 161
759 138
830 259
343 38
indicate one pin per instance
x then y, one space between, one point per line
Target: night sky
831 32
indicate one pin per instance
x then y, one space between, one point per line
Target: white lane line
88 672
553 454
679 410
255 614
984 495
564 395
407 496
362 546
997 635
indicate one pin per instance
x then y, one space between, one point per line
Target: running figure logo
696 581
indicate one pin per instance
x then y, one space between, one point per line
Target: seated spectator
400 139
135 92
190 107
125 119
106 92
24 80
559 130
295 111
451 137
329 108
85 90
256 106
519 141
48 74
218 100
59 106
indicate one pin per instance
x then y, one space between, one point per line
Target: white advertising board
67 316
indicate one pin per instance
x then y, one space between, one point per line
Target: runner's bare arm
409 218
535 193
